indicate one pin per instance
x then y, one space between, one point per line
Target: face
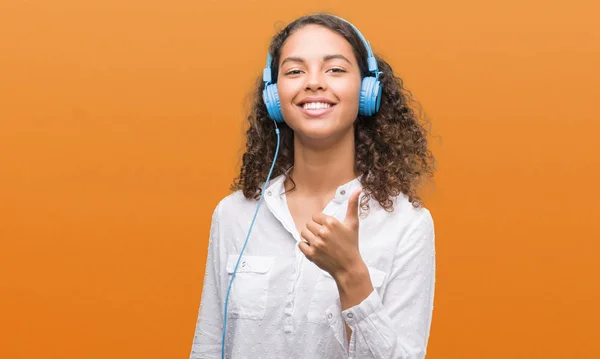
318 83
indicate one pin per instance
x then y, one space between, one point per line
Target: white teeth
316 105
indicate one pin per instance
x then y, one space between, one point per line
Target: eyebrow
325 58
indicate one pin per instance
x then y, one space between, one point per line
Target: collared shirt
283 306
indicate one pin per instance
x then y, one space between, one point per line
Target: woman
316 278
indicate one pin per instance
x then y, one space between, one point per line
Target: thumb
352 212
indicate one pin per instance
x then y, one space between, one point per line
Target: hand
333 245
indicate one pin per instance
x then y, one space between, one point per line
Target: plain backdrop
121 127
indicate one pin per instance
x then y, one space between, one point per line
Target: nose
315 81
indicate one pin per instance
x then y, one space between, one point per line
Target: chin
317 135
319 131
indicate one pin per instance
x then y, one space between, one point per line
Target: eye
338 70
293 72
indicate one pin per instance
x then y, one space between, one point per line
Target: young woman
316 277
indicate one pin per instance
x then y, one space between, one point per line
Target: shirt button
350 315
268 193
243 263
329 315
343 192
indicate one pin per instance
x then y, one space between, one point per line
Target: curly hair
391 154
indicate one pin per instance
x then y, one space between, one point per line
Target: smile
316 109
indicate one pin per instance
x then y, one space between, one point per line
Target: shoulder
415 224
401 233
406 217
236 205
232 204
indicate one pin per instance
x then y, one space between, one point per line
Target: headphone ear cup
377 91
362 99
271 99
370 96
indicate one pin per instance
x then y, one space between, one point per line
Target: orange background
121 128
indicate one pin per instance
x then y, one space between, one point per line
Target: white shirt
283 306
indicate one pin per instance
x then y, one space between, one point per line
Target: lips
314 106
316 112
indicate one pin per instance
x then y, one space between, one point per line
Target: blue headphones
370 91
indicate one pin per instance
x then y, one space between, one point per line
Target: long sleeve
397 326
207 336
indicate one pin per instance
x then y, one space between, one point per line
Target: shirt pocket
326 294
250 289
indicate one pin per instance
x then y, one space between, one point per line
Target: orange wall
121 126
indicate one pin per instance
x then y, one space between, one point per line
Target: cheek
287 90
348 92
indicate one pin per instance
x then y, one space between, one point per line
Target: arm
396 326
207 337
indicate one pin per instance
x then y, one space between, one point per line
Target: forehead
314 41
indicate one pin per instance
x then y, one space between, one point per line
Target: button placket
290 297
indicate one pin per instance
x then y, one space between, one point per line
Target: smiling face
318 83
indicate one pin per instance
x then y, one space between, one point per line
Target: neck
320 170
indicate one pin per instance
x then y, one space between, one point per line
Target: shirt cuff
359 312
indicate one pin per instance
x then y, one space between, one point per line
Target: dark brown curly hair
391 146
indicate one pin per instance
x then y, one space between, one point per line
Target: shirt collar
343 192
